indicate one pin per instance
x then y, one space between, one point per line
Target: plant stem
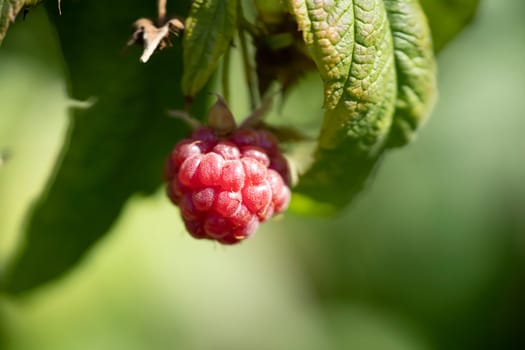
186 118
256 117
248 69
226 75
161 8
249 27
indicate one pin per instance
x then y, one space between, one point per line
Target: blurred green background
432 256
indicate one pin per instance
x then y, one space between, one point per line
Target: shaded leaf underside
116 148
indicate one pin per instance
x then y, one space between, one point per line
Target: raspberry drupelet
225 184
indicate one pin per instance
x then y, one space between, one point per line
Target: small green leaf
9 9
209 31
115 148
351 43
415 68
447 18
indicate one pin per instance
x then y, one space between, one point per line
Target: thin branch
248 70
161 8
226 75
186 118
256 117
252 29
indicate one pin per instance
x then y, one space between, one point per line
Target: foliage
374 57
209 31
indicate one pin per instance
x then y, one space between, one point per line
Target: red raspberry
225 186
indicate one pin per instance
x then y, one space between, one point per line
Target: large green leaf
375 59
9 9
210 27
115 148
447 18
415 68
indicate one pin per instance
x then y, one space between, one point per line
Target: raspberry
226 185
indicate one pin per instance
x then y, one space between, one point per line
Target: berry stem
226 75
220 118
161 8
248 69
258 114
253 30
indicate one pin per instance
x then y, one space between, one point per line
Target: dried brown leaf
153 38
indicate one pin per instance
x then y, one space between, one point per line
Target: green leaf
415 68
379 75
9 9
447 18
350 41
209 31
115 148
